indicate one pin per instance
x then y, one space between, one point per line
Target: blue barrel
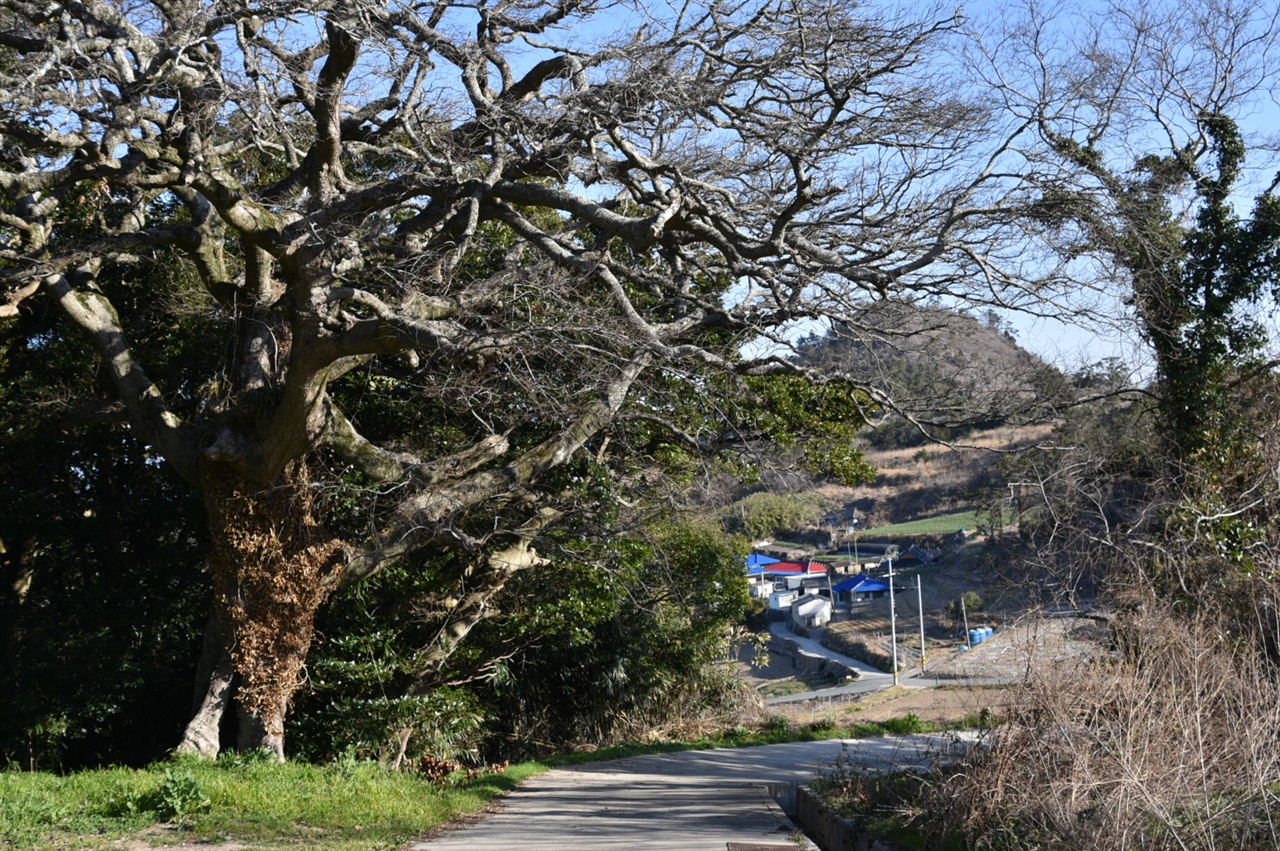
987 632
976 636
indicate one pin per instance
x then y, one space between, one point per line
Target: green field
942 525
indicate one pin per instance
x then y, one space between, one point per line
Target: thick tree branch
422 514
148 413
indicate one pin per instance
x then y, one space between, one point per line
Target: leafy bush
624 635
179 794
982 720
778 725
905 725
972 603
766 515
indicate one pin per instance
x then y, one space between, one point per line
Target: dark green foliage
98 651
357 701
652 639
972 604
618 634
1193 284
822 419
102 590
766 515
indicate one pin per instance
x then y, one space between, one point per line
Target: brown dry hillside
912 483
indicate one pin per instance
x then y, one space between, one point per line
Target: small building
782 599
814 584
860 587
783 575
808 566
810 612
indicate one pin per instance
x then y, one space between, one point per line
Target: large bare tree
525 210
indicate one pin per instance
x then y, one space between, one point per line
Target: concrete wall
829 831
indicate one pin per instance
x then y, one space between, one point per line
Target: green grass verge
258 803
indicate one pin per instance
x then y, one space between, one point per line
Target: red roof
793 567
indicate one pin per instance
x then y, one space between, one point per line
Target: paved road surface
869 679
688 801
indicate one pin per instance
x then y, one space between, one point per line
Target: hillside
950 371
918 482
959 388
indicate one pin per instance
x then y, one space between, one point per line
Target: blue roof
861 584
758 560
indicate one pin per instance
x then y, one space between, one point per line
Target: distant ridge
950 370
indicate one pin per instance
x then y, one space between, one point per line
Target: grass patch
807 681
779 688
350 807
942 525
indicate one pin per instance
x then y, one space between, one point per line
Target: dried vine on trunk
274 565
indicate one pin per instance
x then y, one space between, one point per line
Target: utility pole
920 606
893 625
853 527
965 614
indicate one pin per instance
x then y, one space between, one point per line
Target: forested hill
949 370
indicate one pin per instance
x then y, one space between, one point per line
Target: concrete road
869 679
690 801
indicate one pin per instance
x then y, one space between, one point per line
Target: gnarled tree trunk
215 678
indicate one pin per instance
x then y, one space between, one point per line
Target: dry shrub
693 710
1171 741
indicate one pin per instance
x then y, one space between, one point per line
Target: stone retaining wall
807 662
